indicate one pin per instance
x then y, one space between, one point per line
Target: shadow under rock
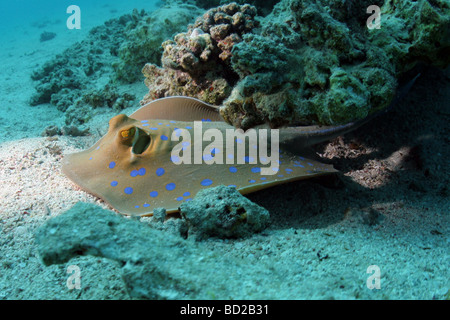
415 132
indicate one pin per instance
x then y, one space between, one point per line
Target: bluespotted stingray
133 167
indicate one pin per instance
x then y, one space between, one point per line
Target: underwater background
377 229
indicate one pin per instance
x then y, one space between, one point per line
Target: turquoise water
17 12
25 15
22 24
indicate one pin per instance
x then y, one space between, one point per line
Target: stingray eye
129 133
135 138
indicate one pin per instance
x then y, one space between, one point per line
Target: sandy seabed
388 206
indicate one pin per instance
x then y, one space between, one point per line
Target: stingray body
134 169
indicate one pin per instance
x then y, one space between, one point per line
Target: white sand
319 245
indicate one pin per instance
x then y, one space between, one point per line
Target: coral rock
223 212
308 62
197 63
315 63
144 254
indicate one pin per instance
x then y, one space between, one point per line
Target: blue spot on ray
233 169
256 170
142 171
154 194
134 173
112 164
186 194
164 137
206 182
170 186
114 183
128 190
160 172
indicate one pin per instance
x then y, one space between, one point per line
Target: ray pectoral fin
75 166
178 108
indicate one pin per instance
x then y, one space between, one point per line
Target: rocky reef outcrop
308 62
197 63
